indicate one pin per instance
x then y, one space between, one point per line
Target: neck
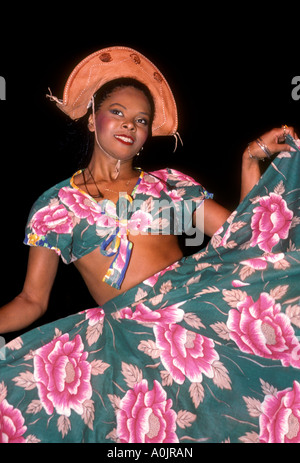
104 168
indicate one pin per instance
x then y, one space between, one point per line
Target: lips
125 139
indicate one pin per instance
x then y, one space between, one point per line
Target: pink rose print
280 418
261 263
238 283
185 353
106 224
82 206
63 375
139 222
271 222
225 238
54 217
94 316
11 424
150 186
260 328
154 278
151 280
146 416
176 195
143 314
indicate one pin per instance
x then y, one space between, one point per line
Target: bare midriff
150 254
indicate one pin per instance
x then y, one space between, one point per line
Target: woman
152 364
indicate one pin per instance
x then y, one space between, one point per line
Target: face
122 123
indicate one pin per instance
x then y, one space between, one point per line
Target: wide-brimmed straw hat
112 63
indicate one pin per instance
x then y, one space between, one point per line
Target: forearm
266 146
250 174
33 300
19 313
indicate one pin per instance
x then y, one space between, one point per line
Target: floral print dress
206 350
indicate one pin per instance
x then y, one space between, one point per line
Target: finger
289 130
275 139
284 147
283 132
274 135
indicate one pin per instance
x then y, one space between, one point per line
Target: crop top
72 223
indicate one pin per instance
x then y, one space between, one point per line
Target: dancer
179 349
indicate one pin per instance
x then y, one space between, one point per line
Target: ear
91 125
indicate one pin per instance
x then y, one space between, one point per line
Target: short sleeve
50 225
187 188
187 195
174 198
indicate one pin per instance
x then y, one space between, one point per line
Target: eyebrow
124 107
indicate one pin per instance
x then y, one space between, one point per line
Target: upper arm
40 276
210 216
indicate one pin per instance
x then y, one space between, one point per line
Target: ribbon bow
117 242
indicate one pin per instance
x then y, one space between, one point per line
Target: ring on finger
284 130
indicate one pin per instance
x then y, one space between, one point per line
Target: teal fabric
207 350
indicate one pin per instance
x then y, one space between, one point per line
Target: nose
129 125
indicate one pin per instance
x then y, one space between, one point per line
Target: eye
142 121
116 112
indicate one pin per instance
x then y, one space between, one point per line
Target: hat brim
112 63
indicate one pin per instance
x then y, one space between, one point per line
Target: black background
230 70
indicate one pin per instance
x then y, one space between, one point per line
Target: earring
91 125
137 154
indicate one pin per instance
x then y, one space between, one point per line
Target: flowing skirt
206 350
